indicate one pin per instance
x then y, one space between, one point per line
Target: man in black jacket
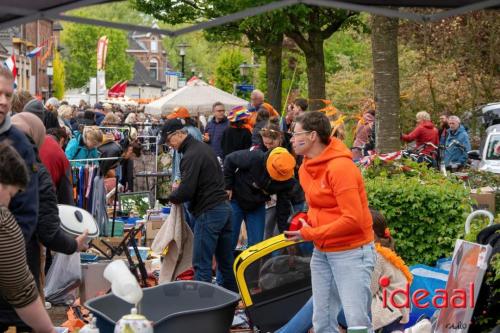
202 185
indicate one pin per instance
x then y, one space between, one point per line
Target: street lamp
50 73
245 69
182 52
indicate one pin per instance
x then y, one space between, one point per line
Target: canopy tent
15 12
197 97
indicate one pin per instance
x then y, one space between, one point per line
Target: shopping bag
63 278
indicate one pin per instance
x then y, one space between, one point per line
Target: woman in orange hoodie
340 225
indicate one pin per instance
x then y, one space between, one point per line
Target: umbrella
197 96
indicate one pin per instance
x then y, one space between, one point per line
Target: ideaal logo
458 298
457 326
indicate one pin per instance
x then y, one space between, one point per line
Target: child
387 264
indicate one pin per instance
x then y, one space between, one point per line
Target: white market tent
198 97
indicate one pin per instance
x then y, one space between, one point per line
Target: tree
263 33
309 27
386 82
227 70
58 76
80 43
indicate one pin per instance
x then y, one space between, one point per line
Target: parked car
488 154
490 114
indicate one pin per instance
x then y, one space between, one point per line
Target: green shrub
425 211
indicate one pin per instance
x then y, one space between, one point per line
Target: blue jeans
341 280
254 221
189 217
301 322
212 236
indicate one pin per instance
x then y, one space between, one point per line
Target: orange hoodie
338 207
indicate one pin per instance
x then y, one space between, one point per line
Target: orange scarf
394 259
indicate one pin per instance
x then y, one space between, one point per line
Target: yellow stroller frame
274 280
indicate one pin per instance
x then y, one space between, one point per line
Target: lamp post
50 73
247 85
182 52
245 70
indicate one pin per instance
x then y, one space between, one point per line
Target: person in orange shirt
340 225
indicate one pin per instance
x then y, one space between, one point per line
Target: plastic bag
429 279
63 278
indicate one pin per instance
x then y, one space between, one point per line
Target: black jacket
49 231
246 175
234 139
202 182
256 137
296 196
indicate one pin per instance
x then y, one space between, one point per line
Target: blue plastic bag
429 279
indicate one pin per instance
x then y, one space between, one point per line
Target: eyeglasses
294 134
220 110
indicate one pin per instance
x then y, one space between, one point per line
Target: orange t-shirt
338 206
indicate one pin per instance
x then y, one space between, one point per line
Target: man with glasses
215 128
202 185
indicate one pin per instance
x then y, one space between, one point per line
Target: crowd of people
243 165
447 143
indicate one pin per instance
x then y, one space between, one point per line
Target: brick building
19 40
148 49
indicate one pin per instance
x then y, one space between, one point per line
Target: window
154 45
493 150
153 69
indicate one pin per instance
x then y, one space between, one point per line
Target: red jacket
425 132
54 159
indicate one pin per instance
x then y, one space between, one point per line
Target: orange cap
179 112
280 164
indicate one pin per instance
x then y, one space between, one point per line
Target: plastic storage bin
182 306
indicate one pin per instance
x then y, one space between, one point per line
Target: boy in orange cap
179 112
259 175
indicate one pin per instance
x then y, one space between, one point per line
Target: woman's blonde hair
65 111
92 134
422 115
111 119
131 118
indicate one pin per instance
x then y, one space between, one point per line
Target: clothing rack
115 200
115 128
155 171
137 125
95 159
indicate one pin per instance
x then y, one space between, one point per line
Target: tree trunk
274 59
315 60
386 83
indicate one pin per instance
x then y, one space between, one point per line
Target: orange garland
394 259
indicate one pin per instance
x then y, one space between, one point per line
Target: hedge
425 211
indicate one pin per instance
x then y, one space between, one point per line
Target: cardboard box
93 282
152 229
484 199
